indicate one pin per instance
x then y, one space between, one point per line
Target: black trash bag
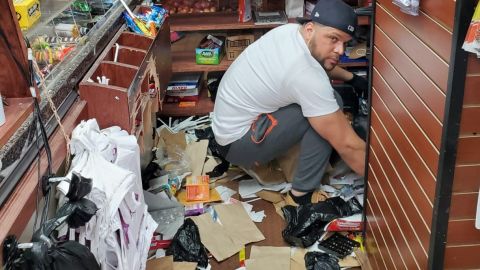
71 255
151 171
360 125
79 187
186 245
305 223
33 258
76 214
321 261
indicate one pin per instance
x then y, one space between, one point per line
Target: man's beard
311 45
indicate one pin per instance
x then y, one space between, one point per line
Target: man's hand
360 84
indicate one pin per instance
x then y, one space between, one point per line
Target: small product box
210 50
198 188
236 44
28 12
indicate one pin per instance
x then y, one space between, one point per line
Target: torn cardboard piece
234 231
197 152
164 263
167 263
297 259
215 238
262 258
270 196
238 224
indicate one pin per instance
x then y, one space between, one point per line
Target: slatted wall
409 84
463 240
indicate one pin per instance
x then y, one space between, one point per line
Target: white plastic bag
408 6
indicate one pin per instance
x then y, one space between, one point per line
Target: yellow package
28 12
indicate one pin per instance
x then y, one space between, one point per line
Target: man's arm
337 131
360 84
338 73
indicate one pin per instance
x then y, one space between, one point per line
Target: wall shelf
223 21
202 107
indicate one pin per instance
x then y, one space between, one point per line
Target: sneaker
317 196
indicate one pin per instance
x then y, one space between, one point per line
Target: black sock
304 199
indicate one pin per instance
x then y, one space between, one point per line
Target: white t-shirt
273 72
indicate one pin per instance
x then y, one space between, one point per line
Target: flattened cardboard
164 263
297 259
172 141
184 266
236 231
238 224
264 258
270 196
215 238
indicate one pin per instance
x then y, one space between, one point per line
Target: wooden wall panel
390 255
463 232
473 65
404 175
382 258
409 85
424 28
435 67
472 94
470 124
371 247
442 11
468 149
410 232
467 178
406 150
462 257
421 142
400 90
429 92
463 206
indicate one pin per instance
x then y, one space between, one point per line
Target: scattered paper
225 193
344 179
254 216
248 188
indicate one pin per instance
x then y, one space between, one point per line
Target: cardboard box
28 12
209 56
236 45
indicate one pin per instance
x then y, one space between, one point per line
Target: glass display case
65 40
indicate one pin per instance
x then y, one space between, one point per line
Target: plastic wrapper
186 245
472 39
320 261
305 223
408 6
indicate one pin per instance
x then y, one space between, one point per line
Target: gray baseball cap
333 13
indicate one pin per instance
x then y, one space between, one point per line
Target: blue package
131 24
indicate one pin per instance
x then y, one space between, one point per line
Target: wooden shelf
184 61
203 106
223 21
16 112
354 64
